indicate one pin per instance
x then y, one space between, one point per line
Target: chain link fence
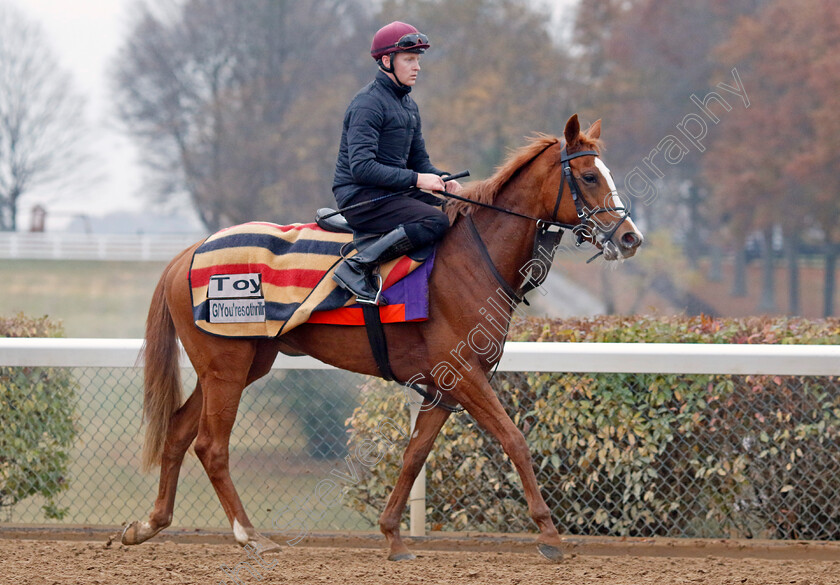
669 456
618 454
289 434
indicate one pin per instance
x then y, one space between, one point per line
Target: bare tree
41 118
231 101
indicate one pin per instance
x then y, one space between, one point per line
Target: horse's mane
485 191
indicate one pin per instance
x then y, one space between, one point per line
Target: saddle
260 280
330 220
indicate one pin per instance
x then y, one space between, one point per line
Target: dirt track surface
49 562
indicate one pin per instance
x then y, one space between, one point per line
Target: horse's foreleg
182 431
481 402
427 427
221 402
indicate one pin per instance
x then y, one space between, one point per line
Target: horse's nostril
630 240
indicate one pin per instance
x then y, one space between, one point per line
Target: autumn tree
776 163
41 116
240 104
642 61
237 103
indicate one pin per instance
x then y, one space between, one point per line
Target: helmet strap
390 69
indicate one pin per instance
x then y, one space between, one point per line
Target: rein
485 255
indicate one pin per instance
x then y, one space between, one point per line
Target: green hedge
36 423
639 454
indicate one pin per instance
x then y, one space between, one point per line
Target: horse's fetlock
388 526
542 515
161 520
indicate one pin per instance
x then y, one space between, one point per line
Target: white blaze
615 201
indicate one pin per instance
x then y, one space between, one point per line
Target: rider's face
406 67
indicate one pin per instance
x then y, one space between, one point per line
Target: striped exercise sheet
261 280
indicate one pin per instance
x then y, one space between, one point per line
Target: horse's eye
590 178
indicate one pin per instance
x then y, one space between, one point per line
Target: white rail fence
70 246
625 358
782 360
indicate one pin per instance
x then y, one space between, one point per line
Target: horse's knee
517 448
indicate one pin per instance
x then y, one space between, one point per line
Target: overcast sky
85 35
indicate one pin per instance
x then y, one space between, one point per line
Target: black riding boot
356 273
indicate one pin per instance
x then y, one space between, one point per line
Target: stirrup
375 300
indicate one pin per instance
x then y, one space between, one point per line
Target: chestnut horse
544 183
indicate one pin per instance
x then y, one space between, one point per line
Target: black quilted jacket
381 143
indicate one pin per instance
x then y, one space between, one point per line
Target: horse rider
382 152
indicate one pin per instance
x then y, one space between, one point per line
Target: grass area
270 464
91 298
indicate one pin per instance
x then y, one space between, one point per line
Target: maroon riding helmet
397 37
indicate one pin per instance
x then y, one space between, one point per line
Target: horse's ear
594 131
572 132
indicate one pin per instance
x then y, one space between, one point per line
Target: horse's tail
162 376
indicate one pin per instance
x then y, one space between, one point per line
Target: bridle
549 232
587 216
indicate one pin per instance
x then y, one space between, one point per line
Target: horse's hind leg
427 427
182 430
221 401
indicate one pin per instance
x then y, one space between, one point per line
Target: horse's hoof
263 544
552 553
404 556
138 532
128 537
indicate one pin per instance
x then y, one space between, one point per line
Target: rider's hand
429 182
453 187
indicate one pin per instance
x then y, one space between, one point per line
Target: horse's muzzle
623 246
631 240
